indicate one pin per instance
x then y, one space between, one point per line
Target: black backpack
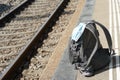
85 49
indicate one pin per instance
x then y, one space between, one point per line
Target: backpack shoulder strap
107 35
92 29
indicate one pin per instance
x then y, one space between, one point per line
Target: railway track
20 37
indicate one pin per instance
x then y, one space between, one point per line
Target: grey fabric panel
65 70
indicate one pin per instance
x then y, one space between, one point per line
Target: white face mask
78 31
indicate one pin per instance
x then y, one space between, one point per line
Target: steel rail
12 69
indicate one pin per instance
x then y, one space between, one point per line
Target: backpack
86 51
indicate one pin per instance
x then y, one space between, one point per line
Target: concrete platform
106 12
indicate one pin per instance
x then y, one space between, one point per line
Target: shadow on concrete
115 62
